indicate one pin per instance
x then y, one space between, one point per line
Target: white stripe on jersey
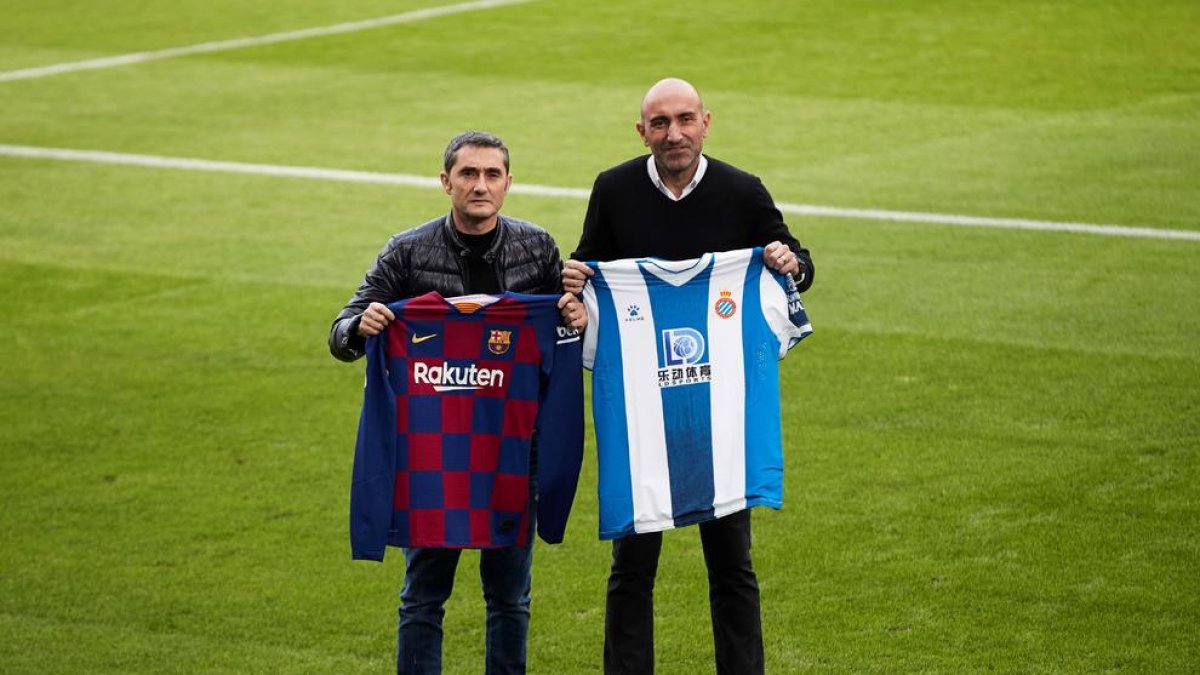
647 439
728 389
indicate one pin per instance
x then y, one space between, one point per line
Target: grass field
992 435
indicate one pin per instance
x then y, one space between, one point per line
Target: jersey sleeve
591 303
560 436
782 309
373 476
588 346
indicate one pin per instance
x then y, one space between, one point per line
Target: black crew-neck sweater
628 217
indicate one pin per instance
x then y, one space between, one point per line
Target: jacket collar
461 249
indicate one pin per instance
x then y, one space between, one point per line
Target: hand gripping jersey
685 386
456 392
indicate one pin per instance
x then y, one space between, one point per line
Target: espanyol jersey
685 386
456 391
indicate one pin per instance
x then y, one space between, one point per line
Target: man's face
674 125
477 184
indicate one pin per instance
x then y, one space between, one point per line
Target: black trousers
732 595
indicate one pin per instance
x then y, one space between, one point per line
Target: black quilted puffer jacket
431 257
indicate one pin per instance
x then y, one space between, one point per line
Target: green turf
992 435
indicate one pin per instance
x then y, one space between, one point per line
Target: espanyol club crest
499 341
725 306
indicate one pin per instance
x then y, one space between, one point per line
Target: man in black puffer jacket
473 249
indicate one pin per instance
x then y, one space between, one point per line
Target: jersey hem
669 524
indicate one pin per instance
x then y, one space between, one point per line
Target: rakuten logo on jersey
445 377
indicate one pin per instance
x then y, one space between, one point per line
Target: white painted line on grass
981 221
241 43
347 176
158 162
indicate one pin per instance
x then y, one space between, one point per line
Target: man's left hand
781 259
573 313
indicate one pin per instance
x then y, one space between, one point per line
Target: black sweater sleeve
596 242
770 226
627 217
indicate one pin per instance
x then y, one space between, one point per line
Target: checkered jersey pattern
460 387
466 388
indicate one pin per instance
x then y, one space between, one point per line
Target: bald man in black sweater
678 204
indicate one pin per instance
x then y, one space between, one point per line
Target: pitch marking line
982 221
347 176
241 43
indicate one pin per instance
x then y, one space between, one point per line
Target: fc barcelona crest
725 306
499 341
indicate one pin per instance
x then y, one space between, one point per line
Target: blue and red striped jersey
457 392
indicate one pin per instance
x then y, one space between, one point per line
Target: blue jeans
428 581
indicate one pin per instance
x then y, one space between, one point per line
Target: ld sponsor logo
683 354
682 346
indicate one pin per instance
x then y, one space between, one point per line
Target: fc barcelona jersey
457 390
685 386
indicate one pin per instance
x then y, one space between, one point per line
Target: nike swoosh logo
418 339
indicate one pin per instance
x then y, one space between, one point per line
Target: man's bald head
672 88
673 125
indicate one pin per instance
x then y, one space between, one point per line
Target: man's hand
780 258
574 275
573 312
375 319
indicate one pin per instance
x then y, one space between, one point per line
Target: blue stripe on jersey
764 439
686 409
616 500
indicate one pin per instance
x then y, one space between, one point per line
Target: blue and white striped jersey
685 386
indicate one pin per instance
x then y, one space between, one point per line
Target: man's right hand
574 275
375 319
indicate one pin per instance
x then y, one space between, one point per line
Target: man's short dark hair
475 138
